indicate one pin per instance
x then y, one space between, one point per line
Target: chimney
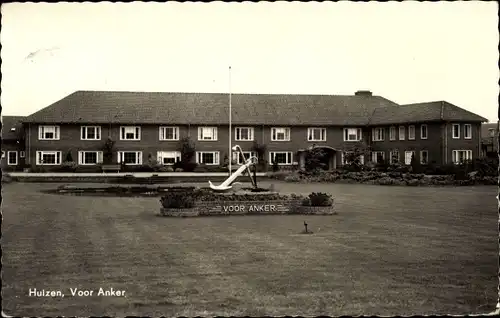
363 93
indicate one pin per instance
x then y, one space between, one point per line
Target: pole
230 155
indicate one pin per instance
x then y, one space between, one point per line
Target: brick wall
435 144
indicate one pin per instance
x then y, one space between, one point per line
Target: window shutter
139 157
58 157
83 132
40 132
99 157
119 156
57 136
98 132
80 157
200 133
215 133
273 133
360 134
137 132
287 133
38 155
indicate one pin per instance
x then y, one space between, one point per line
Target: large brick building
151 124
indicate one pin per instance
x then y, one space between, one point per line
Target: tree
315 159
188 153
260 150
69 157
107 151
416 167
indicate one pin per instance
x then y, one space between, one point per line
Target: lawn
389 251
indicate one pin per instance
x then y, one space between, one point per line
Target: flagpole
230 127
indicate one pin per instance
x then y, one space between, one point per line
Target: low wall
225 208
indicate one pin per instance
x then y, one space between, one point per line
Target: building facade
151 125
489 140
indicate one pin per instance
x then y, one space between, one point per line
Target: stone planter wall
225 208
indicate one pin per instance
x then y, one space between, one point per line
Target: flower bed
384 178
206 203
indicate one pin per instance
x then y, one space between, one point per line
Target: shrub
178 200
279 175
137 168
276 167
89 169
67 166
179 170
166 169
38 169
293 177
6 178
486 166
320 199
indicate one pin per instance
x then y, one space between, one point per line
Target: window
208 158
378 156
392 133
378 134
424 157
348 158
467 131
280 134
130 157
89 157
316 134
48 157
352 134
13 129
22 154
459 156
394 156
455 131
491 132
168 157
280 157
48 132
408 155
411 132
91 133
169 133
207 133
130 133
401 133
239 158
12 158
243 134
423 132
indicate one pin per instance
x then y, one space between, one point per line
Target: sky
407 52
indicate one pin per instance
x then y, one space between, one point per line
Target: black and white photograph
186 159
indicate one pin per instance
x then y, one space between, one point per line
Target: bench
110 168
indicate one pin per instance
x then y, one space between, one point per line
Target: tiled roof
9 122
251 109
422 112
209 108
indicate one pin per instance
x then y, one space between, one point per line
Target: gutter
445 144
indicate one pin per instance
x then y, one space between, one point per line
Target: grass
389 251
